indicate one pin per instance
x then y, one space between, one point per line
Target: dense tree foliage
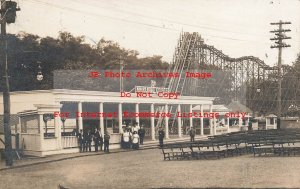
265 101
67 52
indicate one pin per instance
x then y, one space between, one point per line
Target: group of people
85 141
133 137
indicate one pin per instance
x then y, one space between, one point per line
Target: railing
14 141
69 141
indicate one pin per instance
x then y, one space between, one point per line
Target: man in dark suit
106 142
141 133
161 135
88 141
97 135
80 141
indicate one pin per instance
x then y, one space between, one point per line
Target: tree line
66 52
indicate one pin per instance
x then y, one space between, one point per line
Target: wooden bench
207 150
175 152
167 152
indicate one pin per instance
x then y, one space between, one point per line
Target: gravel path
146 169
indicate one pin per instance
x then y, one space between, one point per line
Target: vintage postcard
149 94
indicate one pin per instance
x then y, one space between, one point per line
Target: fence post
17 142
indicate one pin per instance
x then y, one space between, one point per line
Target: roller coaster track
248 73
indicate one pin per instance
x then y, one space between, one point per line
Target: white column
240 122
80 122
152 122
191 118
101 118
215 126
167 122
120 117
248 121
210 121
228 129
179 121
57 128
41 131
201 120
137 118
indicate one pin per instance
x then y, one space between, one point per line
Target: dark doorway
90 124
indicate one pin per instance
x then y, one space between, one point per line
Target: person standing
192 134
96 139
106 142
88 141
126 139
161 135
250 126
101 141
135 140
141 133
80 140
135 127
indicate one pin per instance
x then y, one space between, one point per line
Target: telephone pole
121 59
8 15
280 36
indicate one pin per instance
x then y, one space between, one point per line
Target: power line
185 24
141 23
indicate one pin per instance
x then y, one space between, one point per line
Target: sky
152 27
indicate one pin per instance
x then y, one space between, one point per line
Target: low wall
289 123
31 142
221 130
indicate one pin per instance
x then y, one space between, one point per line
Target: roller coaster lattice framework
252 82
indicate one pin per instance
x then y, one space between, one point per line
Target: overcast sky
152 27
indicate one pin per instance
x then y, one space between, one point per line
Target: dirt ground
146 169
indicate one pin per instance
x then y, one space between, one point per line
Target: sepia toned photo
108 94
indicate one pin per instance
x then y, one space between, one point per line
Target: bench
175 152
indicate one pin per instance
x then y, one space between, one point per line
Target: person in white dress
135 140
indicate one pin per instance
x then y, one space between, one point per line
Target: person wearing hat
135 127
81 143
141 133
106 142
192 134
161 135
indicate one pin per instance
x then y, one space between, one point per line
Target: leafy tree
67 52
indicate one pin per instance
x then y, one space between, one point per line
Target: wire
5 14
140 23
180 23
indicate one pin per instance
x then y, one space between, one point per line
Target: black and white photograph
133 94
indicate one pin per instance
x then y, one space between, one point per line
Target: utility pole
8 14
280 36
121 59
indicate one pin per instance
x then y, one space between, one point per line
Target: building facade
48 119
